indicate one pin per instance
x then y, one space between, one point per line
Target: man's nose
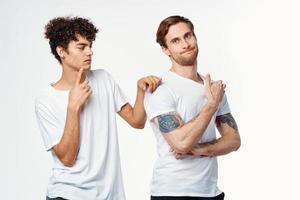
90 51
185 44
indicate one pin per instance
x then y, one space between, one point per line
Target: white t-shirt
96 174
190 176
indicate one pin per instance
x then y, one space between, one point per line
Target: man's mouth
188 51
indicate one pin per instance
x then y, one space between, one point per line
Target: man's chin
187 62
86 67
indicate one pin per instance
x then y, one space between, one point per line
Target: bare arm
228 142
182 137
136 115
67 149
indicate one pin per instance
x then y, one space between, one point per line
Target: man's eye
175 41
188 36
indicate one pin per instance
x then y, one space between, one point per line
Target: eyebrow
184 35
173 40
82 44
188 33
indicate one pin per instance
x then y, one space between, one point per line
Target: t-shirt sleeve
48 125
159 102
223 107
120 98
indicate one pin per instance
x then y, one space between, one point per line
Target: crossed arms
183 137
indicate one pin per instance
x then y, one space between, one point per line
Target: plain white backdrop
253 46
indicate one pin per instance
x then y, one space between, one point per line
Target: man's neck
189 72
67 79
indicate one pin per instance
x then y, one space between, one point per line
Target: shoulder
163 91
161 96
44 101
43 97
101 75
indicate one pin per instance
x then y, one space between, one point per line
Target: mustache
191 49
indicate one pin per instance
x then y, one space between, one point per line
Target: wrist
139 89
140 92
212 106
73 108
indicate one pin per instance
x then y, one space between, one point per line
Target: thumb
79 76
207 80
142 85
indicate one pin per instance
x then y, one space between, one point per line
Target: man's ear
166 51
61 52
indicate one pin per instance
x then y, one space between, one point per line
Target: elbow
182 148
68 163
67 158
237 144
138 125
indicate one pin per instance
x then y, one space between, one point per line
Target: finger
143 86
157 79
178 156
85 83
207 85
221 83
152 82
207 80
87 88
148 84
88 93
157 82
79 75
224 86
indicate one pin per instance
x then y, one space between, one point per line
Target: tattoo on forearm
228 119
168 122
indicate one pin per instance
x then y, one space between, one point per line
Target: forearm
138 113
189 134
68 147
221 146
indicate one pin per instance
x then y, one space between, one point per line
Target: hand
80 92
214 91
180 156
201 149
149 82
197 150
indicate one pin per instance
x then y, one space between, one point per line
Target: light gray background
252 45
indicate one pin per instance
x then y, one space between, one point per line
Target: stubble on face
186 58
181 44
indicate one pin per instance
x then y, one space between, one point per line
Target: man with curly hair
183 112
77 120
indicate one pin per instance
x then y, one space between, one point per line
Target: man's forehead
178 30
81 40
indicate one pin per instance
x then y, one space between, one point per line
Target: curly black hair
61 30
